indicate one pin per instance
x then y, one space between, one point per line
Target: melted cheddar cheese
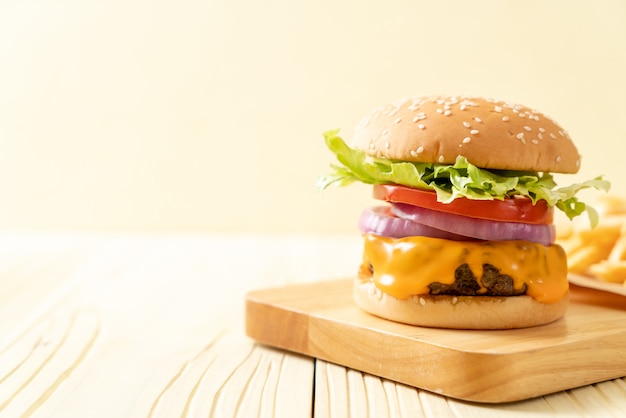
403 267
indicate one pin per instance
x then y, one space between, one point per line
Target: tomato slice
517 209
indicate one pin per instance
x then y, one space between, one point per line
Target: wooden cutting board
587 345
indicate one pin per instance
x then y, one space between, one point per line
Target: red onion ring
380 221
476 228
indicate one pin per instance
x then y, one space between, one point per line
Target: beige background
208 115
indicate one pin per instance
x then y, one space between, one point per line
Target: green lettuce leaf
462 179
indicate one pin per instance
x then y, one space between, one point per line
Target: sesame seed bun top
490 133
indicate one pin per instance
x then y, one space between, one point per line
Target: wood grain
319 319
149 325
133 327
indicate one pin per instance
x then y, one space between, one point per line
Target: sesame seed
541 130
397 121
441 159
522 115
455 300
466 124
463 107
498 109
467 139
386 144
528 128
505 118
384 132
474 131
420 150
561 133
552 135
540 135
558 159
478 120
413 153
439 110
421 126
422 301
447 113
534 141
520 135
416 118
523 141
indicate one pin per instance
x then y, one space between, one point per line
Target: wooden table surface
146 325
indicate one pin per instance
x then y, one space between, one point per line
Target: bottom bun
460 312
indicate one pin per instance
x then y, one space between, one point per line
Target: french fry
598 241
609 271
618 253
580 260
611 205
599 252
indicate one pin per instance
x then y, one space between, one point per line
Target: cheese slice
403 267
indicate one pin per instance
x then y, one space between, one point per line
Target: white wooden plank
343 392
563 404
435 405
55 347
233 378
349 393
105 326
34 281
613 393
381 398
168 338
536 407
294 391
331 391
356 393
600 400
408 401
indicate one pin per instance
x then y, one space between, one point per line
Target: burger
464 236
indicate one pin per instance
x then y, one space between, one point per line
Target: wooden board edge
305 332
276 326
